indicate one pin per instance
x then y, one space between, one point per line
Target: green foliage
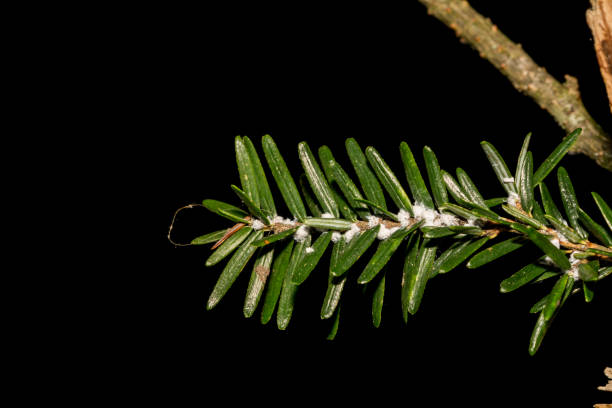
430 233
228 246
283 178
228 211
353 251
499 167
388 179
495 251
310 260
385 250
232 269
370 185
415 180
317 180
210 237
275 237
434 173
275 282
458 254
289 289
259 275
418 277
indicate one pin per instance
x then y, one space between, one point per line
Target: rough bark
599 18
561 100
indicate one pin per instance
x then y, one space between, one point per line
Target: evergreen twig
438 235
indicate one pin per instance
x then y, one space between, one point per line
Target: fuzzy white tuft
513 199
562 237
327 215
384 232
280 220
309 250
350 234
430 216
555 242
257 225
373 221
573 271
508 179
473 222
449 219
336 236
301 234
404 218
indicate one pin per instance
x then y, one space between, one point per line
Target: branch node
571 83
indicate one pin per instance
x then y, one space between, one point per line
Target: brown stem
577 247
174 219
599 19
491 229
561 100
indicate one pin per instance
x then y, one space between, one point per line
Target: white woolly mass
508 179
555 242
301 234
348 235
384 232
561 237
336 236
280 220
431 217
423 213
373 221
573 271
327 215
403 217
309 250
257 225
513 199
449 219
472 222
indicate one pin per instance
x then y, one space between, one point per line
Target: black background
382 75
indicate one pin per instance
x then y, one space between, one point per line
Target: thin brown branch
491 229
561 100
174 219
599 19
